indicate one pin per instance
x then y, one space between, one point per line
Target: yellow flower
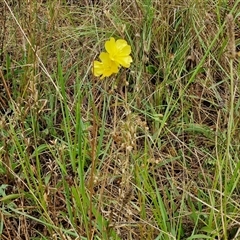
106 67
119 52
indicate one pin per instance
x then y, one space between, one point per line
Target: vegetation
151 152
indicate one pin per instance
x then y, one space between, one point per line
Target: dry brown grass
158 129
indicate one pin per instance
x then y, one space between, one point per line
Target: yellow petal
110 46
97 68
125 51
125 61
104 57
105 68
119 52
120 44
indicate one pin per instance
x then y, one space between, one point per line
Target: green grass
149 153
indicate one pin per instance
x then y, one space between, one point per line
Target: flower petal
125 61
119 52
110 46
120 44
105 68
104 57
97 68
125 51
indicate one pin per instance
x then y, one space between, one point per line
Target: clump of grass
150 153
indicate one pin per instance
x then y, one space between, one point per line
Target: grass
149 153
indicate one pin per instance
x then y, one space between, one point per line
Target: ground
151 152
